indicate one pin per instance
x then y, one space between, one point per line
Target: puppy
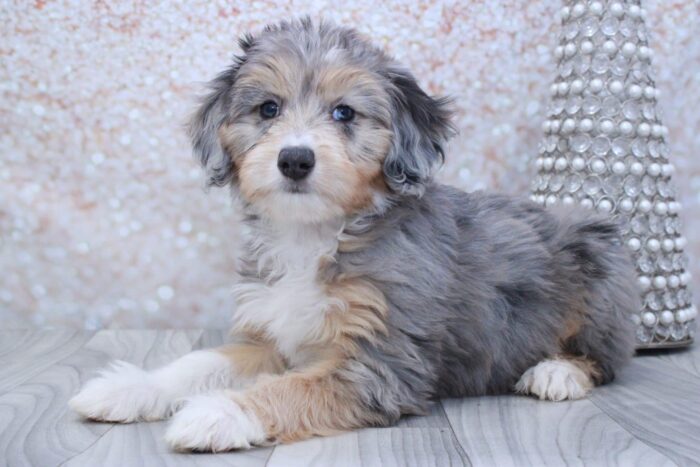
367 290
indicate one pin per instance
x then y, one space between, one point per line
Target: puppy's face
313 123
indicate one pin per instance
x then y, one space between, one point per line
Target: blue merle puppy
367 290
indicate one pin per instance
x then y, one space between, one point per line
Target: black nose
296 162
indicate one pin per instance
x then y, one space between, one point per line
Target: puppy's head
313 122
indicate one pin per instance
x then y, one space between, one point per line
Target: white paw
122 393
555 380
213 422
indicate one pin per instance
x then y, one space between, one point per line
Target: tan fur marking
252 359
299 405
586 365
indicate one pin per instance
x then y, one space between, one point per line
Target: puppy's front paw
555 380
122 393
213 422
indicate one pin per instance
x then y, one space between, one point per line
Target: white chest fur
291 306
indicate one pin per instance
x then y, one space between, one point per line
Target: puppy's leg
125 393
293 406
559 378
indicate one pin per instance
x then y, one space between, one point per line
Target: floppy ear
421 126
212 113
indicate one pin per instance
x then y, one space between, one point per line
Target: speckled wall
103 218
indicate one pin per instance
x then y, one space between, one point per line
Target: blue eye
269 109
343 113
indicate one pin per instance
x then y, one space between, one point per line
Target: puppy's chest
284 296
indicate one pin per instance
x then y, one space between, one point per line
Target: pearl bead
586 47
628 49
634 244
659 282
626 128
680 242
548 163
578 10
667 170
635 11
668 245
627 205
568 126
607 126
617 10
649 92
586 125
596 84
666 317
576 86
596 8
685 278
661 208
644 129
605 205
634 91
538 163
637 168
598 166
563 88
558 51
551 200
693 312
553 89
644 205
560 164
609 47
546 126
587 203
565 12
570 49
657 131
616 87
644 52
649 319
554 125
654 169
619 168
568 200
681 316
673 281
578 163
653 245
674 207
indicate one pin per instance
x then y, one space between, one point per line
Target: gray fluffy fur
479 288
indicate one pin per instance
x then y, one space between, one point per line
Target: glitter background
103 218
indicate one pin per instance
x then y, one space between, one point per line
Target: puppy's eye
269 109
343 113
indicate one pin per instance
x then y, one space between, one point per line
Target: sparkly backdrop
103 219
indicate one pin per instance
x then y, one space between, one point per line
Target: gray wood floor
649 416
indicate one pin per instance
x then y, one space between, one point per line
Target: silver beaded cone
605 148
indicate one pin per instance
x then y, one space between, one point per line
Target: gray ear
421 126
212 113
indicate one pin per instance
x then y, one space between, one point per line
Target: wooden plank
37 427
373 447
658 403
687 358
35 351
12 339
521 431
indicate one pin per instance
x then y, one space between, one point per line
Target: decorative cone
605 148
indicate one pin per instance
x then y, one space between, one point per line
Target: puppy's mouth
296 187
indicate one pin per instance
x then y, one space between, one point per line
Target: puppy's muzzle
296 162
